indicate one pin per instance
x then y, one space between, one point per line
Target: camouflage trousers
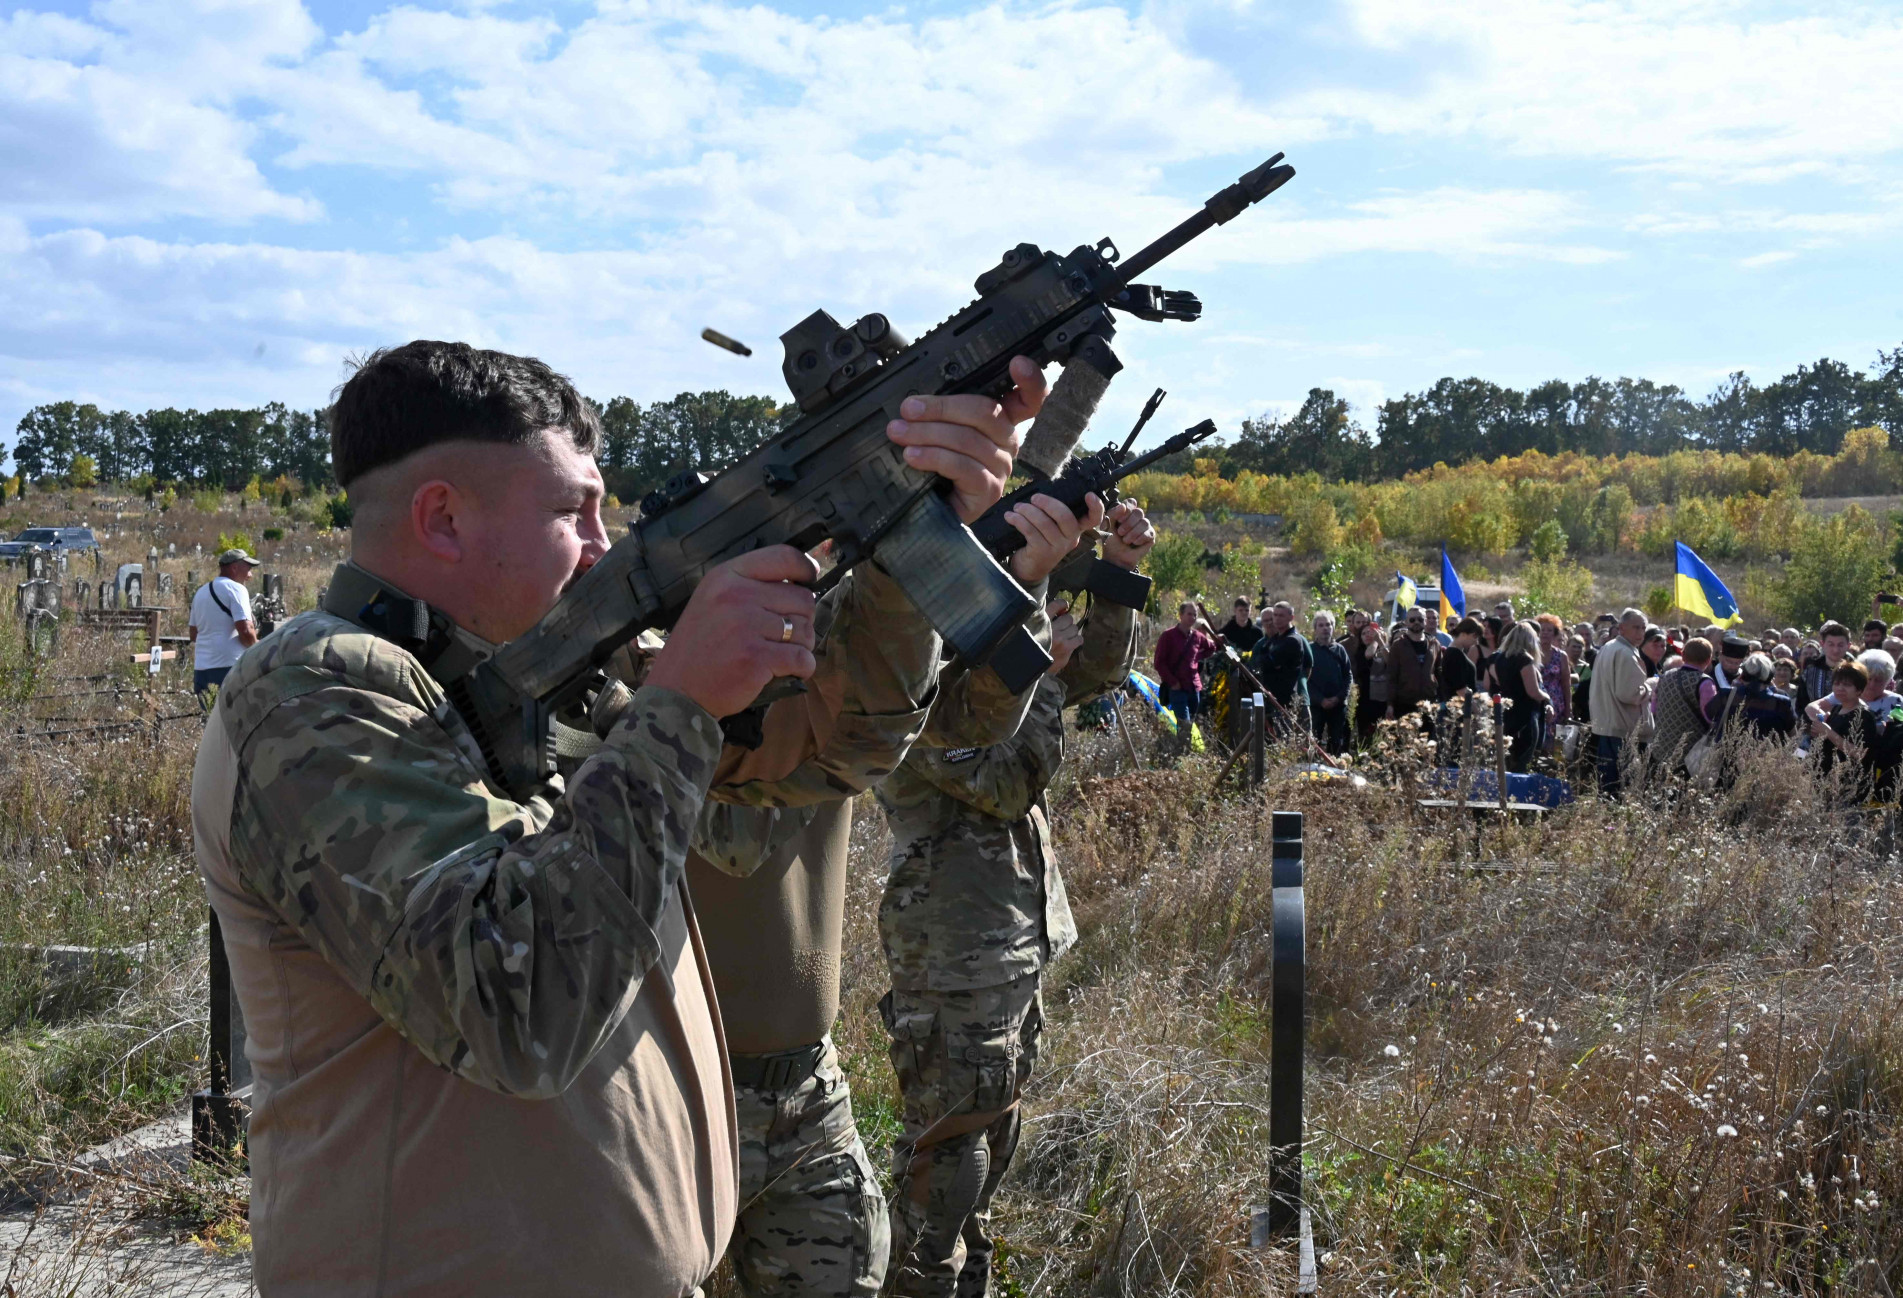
812 1219
962 1060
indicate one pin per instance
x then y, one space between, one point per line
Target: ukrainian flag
1453 598
1405 591
1698 590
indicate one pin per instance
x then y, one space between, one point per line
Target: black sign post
1286 1211
220 1111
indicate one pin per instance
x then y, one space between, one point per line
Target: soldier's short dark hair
403 399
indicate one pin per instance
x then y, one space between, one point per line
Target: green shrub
1835 570
1657 602
1549 541
1555 586
338 508
235 541
1312 525
1611 517
1176 566
274 534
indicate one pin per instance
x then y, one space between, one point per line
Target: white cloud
656 166
1688 87
133 117
1461 223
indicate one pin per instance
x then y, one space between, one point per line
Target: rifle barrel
1149 408
1188 437
1221 207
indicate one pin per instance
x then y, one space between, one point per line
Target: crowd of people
1614 692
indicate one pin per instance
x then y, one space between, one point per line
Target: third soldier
973 910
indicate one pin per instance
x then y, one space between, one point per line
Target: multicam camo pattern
974 896
973 708
962 1060
502 939
812 1219
1102 662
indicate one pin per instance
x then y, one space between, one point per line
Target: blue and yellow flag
1453 598
1405 591
1698 590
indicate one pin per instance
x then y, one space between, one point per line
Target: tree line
211 447
1455 421
642 446
1461 420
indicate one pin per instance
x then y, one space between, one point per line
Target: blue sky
215 202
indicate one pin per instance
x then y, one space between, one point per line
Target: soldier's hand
969 438
1050 532
1129 535
1066 635
750 620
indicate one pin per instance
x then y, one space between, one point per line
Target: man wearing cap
222 627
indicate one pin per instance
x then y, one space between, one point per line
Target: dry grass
1643 1047
95 852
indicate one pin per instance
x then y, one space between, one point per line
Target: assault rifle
834 474
1087 475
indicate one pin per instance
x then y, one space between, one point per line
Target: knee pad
959 1169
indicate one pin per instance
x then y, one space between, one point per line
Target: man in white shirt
221 626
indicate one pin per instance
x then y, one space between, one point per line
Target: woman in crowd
1518 679
1457 667
1652 650
1556 673
1784 674
1848 733
1582 653
1352 622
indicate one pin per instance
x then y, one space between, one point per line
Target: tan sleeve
865 705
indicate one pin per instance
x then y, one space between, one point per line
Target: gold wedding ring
786 630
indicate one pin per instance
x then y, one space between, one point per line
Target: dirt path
95 1238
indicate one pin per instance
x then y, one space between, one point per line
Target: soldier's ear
436 507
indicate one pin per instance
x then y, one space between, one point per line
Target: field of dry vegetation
1643 1047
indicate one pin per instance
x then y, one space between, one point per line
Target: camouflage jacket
974 896
501 938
